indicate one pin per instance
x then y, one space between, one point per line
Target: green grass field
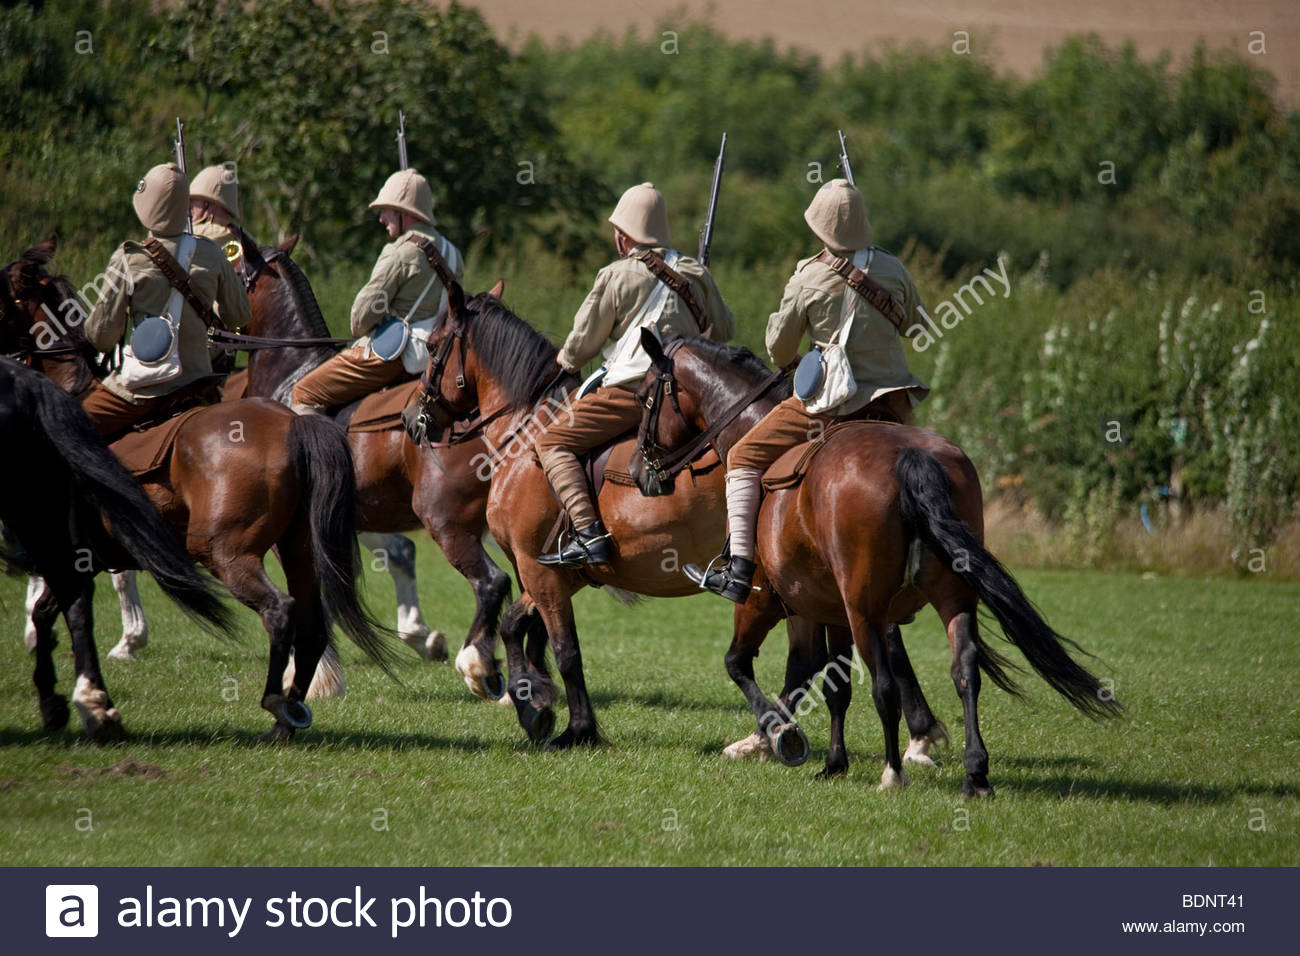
1204 768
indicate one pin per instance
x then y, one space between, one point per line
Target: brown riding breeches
790 424
600 417
345 378
114 415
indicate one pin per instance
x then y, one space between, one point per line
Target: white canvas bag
138 373
625 360
838 384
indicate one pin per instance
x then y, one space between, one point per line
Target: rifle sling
865 286
175 275
675 281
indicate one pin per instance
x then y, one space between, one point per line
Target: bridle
663 463
28 350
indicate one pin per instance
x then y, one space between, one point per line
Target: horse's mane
301 291
515 354
750 365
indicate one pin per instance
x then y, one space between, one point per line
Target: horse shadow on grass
192 736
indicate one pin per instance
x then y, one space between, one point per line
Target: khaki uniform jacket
399 276
812 306
136 288
622 288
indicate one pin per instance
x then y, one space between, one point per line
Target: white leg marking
892 780
755 745
35 587
135 629
101 721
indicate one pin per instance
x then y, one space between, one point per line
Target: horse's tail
925 496
110 490
320 450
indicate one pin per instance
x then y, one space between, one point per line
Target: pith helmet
162 200
643 215
838 216
217 185
407 191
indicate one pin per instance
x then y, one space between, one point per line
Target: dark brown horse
485 357
887 519
243 478
61 485
399 486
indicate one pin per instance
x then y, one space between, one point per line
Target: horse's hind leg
98 715
870 641
398 554
44 611
246 579
315 674
962 625
135 629
923 728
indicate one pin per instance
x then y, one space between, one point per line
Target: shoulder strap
175 275
436 261
865 286
675 281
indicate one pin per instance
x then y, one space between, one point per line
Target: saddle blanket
380 411
148 450
789 470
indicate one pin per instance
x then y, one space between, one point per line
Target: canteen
389 338
810 375
152 339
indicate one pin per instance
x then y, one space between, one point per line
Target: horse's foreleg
776 733
463 548
397 552
555 606
135 629
837 687
530 689
35 588
44 610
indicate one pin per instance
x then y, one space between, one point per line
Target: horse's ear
498 290
455 303
650 342
40 254
288 245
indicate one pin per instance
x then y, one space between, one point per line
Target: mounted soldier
852 296
168 290
214 210
397 297
650 285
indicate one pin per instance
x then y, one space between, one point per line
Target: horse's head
36 308
482 357
696 393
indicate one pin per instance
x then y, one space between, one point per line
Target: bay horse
59 487
484 357
887 518
243 477
400 486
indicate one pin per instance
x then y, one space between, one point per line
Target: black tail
320 449
925 495
110 490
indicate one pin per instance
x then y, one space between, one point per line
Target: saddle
789 470
380 411
148 446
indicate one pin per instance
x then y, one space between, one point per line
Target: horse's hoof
494 685
123 651
831 771
892 779
109 730
789 744
278 734
287 710
918 753
755 745
430 645
976 788
537 723
570 739
478 672
55 713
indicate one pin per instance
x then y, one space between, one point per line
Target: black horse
70 510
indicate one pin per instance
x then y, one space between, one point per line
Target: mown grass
1202 770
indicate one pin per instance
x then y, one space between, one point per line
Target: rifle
706 235
844 160
402 162
180 161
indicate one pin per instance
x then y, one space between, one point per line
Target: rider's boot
731 574
591 542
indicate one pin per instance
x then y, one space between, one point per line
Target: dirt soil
1013 32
